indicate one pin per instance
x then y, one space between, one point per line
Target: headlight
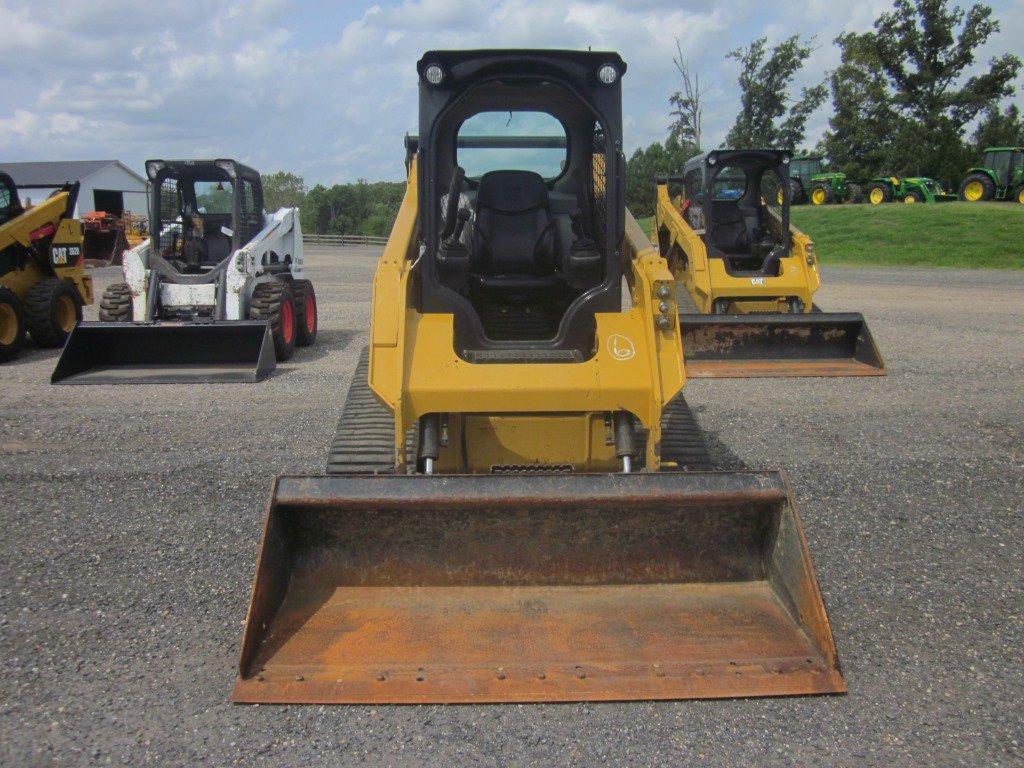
607 74
434 74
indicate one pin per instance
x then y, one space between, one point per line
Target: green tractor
809 182
1001 176
909 189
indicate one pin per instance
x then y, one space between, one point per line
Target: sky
328 89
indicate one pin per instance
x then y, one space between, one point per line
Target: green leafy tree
362 208
646 164
999 129
283 190
923 47
769 117
859 140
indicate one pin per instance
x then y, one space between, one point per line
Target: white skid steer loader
216 294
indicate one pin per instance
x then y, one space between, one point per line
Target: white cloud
330 91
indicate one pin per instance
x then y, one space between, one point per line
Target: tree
645 165
923 47
687 103
768 117
859 140
999 129
283 190
352 209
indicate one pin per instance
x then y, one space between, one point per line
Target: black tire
116 304
796 192
306 325
854 193
12 325
825 198
884 196
52 309
988 188
273 301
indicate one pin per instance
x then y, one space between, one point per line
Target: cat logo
757 281
64 255
621 347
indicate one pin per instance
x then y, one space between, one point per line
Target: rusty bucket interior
779 345
237 351
458 589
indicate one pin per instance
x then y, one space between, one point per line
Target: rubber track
364 440
682 440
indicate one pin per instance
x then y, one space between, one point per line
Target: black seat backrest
730 230
513 225
218 248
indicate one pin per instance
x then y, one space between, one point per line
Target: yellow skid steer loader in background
43 285
749 276
518 505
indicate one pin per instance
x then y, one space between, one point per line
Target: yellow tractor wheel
818 197
781 197
974 191
877 196
977 187
12 325
8 324
67 313
909 199
1020 196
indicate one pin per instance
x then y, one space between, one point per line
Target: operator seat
514 246
732 232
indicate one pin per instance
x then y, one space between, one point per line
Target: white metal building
106 185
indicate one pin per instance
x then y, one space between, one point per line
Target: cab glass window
214 196
512 141
729 184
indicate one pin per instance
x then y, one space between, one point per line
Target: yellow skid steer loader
749 276
518 505
43 284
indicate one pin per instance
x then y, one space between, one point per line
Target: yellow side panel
20 280
390 298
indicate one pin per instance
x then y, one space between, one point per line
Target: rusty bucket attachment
782 345
128 353
505 588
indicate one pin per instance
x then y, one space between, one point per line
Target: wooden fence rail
309 239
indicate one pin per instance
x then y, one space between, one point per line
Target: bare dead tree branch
688 102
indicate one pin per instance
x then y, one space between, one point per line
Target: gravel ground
131 517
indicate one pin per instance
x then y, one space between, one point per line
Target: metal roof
53 174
